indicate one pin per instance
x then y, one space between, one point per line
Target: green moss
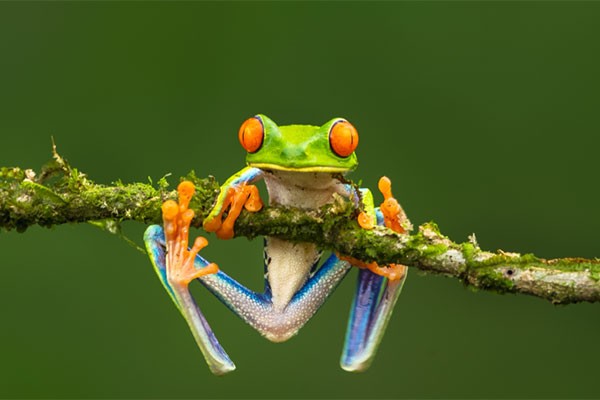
575 265
207 190
526 261
431 226
434 250
491 279
45 194
469 251
10 173
491 261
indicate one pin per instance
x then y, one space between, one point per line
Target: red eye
251 134
343 138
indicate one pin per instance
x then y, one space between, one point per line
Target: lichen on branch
59 193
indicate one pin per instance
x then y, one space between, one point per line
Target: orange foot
391 271
177 218
393 214
237 197
395 219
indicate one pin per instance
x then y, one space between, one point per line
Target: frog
302 166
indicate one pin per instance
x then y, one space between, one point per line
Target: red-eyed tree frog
302 166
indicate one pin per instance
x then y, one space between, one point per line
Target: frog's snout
293 153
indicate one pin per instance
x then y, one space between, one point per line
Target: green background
485 115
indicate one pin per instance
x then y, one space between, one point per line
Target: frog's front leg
236 193
378 287
175 265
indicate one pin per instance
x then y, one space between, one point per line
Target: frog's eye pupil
251 134
343 138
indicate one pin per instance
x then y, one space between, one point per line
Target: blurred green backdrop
484 114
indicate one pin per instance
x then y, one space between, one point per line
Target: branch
59 194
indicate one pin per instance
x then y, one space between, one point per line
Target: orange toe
392 271
170 209
365 221
186 188
393 215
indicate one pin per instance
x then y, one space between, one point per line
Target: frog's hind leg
258 310
377 290
176 266
255 309
370 313
216 357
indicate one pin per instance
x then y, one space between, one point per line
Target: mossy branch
59 194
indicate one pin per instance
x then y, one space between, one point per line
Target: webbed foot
238 197
177 218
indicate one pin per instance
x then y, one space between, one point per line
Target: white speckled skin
275 323
289 264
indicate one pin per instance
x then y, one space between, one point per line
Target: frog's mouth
298 169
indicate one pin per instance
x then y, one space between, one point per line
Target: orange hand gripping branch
177 218
246 196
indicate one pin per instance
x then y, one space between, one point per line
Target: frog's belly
289 264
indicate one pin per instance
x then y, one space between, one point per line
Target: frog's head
305 148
